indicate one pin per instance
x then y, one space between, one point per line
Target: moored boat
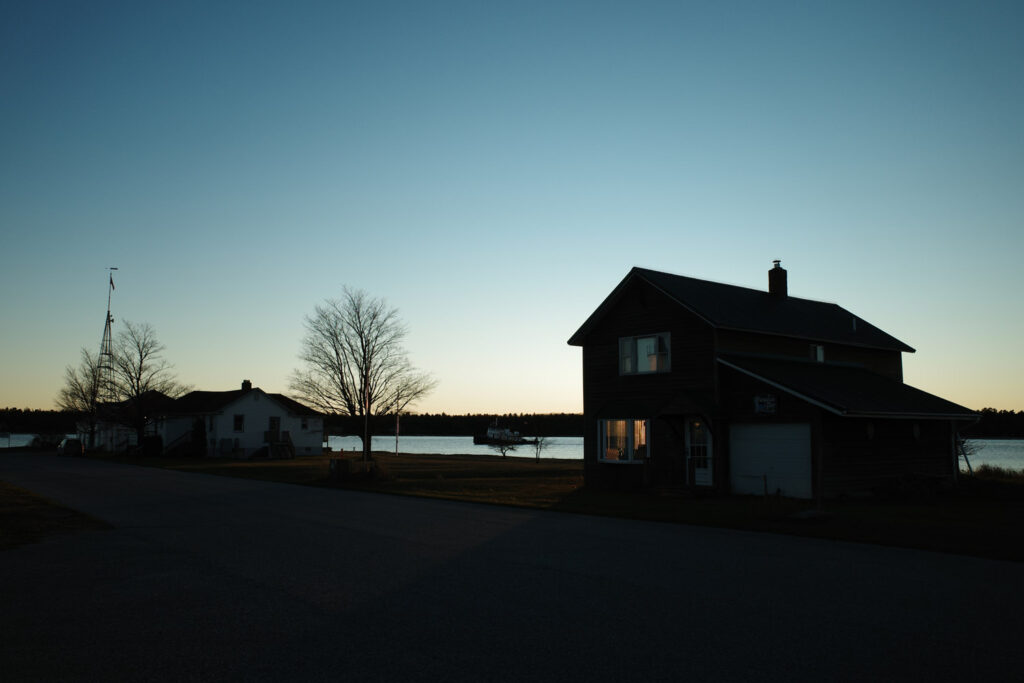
500 435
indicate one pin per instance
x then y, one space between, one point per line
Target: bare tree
355 363
503 447
539 444
143 379
81 391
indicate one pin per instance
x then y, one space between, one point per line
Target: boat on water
500 435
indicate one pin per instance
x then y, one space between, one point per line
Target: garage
770 458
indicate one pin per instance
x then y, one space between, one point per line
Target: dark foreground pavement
211 578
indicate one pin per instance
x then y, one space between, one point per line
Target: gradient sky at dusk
494 170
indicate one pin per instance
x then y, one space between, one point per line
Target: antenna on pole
107 394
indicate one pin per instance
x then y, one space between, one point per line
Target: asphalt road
211 578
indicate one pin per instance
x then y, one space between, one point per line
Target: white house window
818 353
239 423
622 440
645 353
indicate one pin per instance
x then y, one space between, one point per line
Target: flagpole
110 288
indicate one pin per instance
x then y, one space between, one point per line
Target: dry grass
984 516
28 518
1001 474
478 478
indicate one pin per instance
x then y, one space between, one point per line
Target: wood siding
643 310
875 455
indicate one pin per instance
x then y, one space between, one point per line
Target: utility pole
398 413
366 416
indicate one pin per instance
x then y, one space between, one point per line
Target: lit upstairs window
645 354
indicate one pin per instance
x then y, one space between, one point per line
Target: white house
241 423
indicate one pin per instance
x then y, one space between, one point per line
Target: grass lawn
983 517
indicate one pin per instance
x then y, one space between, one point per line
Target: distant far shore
15 420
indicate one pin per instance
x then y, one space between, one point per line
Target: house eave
956 417
578 337
843 412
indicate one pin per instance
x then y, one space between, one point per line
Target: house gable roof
294 406
153 400
847 390
731 307
204 401
207 402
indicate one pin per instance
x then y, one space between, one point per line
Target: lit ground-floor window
622 440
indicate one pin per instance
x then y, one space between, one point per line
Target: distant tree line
997 424
26 421
442 424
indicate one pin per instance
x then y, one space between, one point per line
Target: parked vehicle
71 447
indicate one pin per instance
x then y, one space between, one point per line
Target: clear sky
494 169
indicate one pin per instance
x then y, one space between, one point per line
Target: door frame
700 468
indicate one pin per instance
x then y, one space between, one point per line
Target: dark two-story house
691 383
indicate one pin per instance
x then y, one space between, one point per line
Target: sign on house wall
765 404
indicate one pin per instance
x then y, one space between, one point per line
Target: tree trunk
367 439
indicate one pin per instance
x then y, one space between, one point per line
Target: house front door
698 452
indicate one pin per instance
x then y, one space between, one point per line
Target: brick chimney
777 280
246 385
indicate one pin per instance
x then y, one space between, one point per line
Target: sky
493 170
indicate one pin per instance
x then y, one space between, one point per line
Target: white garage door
777 455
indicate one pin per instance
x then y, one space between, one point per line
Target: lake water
1008 453
564 447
